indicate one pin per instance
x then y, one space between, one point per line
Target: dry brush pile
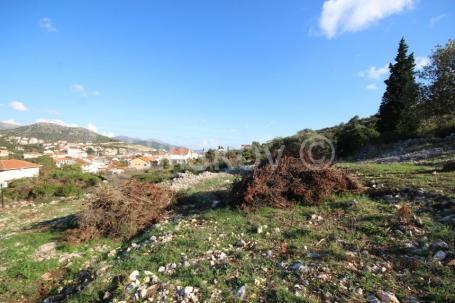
291 181
123 211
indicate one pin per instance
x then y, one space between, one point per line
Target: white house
4 153
32 155
76 153
181 155
93 166
17 169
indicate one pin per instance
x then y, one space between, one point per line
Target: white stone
134 275
387 297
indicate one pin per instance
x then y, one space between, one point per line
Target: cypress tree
397 113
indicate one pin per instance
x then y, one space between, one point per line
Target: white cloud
11 121
82 91
374 73
436 19
77 88
93 128
46 24
18 105
372 86
56 121
340 16
421 62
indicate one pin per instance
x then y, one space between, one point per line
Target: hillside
351 248
4 125
54 132
153 143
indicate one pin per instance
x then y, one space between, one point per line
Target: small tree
397 113
210 155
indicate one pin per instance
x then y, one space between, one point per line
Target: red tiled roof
16 164
179 151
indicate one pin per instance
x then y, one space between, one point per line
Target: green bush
69 190
154 176
68 181
20 189
355 136
44 191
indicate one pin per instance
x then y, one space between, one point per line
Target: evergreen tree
397 113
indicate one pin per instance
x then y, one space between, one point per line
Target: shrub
69 190
291 181
404 214
44 191
20 189
121 213
154 176
353 137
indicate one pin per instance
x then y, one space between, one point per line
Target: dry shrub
405 214
122 212
291 181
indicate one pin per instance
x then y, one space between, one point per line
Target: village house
140 163
32 155
4 153
93 166
17 169
76 153
181 155
60 161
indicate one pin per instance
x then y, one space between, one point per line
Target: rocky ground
186 180
396 243
410 150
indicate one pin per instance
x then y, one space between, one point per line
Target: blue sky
206 73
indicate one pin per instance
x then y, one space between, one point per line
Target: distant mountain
4 125
55 132
153 143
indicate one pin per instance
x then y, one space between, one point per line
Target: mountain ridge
153 143
54 132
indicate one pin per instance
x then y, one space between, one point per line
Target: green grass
353 241
20 273
425 175
364 229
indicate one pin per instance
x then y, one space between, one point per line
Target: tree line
414 104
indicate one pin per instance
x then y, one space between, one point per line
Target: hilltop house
17 169
181 155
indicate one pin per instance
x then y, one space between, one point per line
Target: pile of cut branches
122 212
291 181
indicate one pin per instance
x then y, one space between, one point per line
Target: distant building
4 153
76 153
92 166
181 155
32 155
245 146
140 163
63 160
17 169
